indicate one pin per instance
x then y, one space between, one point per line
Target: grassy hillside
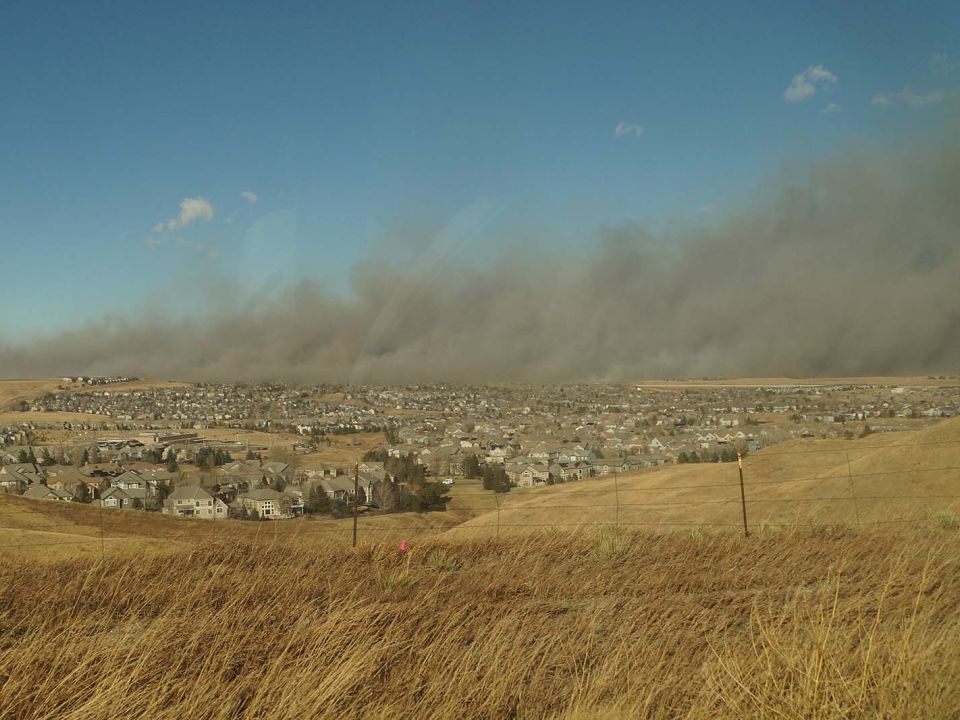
881 478
32 531
13 391
610 625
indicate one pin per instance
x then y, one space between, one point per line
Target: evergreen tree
495 478
83 493
471 466
318 502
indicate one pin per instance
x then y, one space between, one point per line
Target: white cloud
250 197
799 90
804 84
708 208
909 98
832 108
191 210
624 128
818 73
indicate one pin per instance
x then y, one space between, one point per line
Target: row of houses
530 471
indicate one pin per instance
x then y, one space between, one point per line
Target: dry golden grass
831 624
13 391
345 450
40 418
44 530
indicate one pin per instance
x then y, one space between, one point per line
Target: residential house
608 466
297 499
14 482
498 454
195 502
38 491
275 472
114 497
527 475
575 454
267 503
136 486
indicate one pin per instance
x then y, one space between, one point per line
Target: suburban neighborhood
266 451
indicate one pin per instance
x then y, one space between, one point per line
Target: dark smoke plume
852 269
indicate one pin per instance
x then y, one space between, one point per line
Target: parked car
448 481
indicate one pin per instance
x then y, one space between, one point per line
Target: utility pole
356 491
743 497
616 491
103 550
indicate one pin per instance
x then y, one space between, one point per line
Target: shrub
442 561
947 521
390 580
611 543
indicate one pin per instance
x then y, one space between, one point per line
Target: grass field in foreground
792 624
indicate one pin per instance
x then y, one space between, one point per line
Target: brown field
346 450
13 391
42 418
608 624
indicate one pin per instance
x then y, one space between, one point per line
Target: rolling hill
881 478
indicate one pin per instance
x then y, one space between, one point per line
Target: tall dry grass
789 625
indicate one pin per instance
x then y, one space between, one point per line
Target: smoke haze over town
846 266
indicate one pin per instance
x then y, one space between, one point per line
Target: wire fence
747 495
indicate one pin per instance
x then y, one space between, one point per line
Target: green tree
495 478
378 455
471 466
432 496
318 502
83 493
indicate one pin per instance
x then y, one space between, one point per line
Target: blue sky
358 125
